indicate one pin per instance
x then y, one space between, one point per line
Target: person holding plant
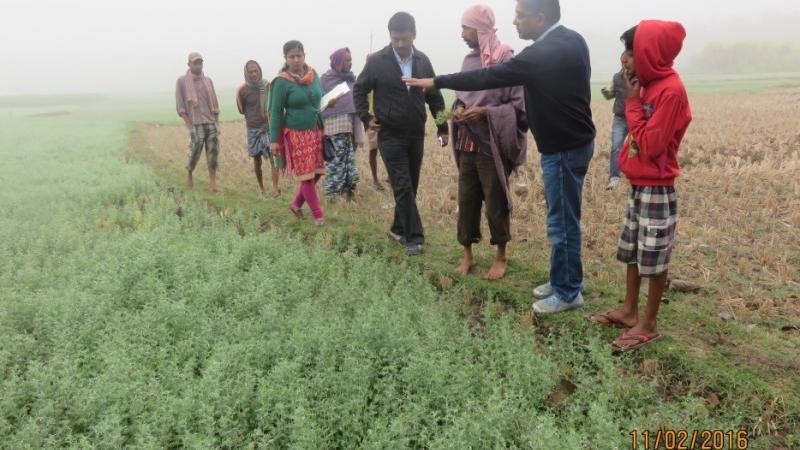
489 139
555 72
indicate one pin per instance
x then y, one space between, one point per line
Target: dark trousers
478 182
402 156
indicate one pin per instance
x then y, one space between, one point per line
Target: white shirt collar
404 61
549 30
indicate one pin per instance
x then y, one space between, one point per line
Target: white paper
336 92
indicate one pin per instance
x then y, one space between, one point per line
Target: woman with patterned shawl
296 127
343 127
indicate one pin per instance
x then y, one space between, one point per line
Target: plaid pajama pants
649 233
203 135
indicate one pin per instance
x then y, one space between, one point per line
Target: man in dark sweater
555 72
400 119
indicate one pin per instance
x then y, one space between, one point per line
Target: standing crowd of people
500 96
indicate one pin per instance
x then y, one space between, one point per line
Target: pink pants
307 193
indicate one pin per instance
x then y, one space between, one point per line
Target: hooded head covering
261 85
335 76
337 59
655 47
481 18
260 81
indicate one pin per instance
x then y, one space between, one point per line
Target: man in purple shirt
196 103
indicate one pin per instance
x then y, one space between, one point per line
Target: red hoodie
659 118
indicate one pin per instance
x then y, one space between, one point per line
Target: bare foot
616 319
217 190
276 193
466 266
498 270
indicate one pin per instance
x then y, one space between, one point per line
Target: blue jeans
619 131
563 175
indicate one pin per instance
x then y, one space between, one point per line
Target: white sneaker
400 239
613 182
543 291
553 304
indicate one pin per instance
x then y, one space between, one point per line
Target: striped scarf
190 87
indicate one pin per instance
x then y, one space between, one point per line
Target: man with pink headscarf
556 73
489 140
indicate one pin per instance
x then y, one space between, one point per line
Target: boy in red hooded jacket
658 114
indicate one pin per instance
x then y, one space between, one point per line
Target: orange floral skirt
303 152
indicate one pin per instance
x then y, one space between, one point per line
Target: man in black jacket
400 119
555 72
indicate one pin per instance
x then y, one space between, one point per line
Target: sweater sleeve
267 93
620 87
610 94
277 106
316 88
653 135
436 103
515 72
364 85
515 96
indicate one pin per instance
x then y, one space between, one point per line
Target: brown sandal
641 342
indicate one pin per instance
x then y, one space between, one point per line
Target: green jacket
291 107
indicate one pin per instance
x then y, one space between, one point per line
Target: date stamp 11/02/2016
690 440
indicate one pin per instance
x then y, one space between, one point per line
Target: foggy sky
113 46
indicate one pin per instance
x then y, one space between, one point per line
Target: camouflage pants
342 173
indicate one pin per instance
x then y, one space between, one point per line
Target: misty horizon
69 47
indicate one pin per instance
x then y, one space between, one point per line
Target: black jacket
555 72
398 109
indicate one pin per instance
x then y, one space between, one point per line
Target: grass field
136 314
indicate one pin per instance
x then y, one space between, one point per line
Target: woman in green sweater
296 128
